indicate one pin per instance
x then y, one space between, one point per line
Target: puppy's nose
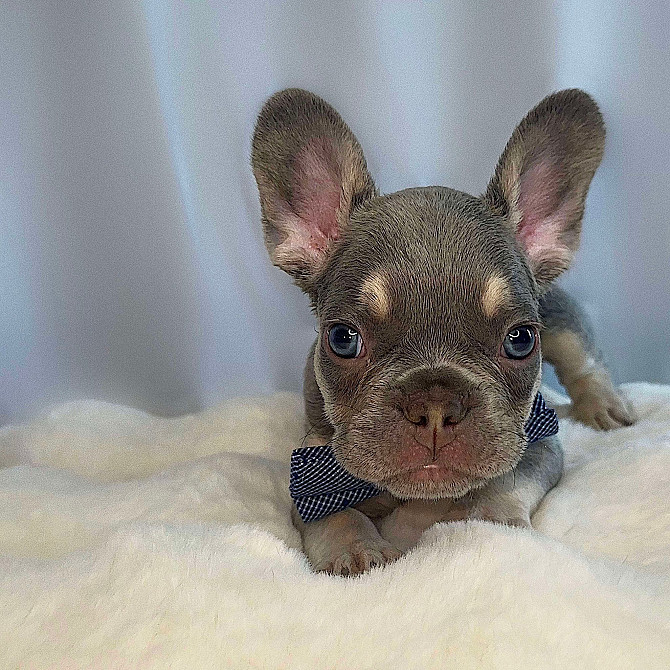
435 418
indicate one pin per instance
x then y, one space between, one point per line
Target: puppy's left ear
543 176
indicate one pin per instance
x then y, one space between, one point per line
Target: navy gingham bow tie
320 486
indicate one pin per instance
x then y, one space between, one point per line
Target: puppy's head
428 353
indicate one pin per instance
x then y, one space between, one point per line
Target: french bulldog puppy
435 308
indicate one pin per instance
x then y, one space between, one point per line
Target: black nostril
414 414
455 417
437 414
416 420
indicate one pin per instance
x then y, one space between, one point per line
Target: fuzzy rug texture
130 541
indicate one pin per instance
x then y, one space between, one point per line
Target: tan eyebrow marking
376 293
495 295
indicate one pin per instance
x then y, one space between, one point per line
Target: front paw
600 406
358 557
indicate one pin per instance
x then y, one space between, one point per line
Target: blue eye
519 342
344 341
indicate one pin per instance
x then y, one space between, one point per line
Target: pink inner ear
543 215
311 222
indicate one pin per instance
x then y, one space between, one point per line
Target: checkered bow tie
320 486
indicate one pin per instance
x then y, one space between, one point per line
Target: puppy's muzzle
435 418
434 401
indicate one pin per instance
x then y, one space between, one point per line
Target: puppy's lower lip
433 468
435 473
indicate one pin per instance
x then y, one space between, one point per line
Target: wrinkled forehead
430 255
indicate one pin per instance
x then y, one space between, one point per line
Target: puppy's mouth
410 470
432 481
432 474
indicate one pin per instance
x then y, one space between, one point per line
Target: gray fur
432 410
560 311
569 345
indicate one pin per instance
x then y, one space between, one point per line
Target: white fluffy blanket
130 541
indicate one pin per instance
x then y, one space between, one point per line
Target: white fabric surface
130 541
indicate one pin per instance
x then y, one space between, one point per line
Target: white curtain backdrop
132 267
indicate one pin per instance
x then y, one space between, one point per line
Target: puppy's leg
510 499
345 543
568 344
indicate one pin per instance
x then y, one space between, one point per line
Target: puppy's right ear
311 175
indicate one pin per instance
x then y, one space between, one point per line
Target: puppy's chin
408 474
431 483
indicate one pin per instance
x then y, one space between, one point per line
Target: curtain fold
132 267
